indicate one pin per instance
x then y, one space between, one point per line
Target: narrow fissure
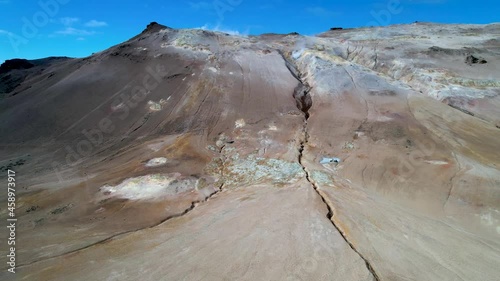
303 99
304 103
105 240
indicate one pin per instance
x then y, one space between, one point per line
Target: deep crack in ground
304 103
107 239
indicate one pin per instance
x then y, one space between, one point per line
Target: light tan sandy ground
244 234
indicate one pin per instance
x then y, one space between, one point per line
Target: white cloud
219 28
95 23
74 31
67 21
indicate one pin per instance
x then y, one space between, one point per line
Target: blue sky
76 28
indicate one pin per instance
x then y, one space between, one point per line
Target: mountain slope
201 155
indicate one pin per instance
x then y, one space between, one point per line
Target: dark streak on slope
304 103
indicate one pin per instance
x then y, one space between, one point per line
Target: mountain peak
154 27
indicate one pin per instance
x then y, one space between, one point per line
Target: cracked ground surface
240 125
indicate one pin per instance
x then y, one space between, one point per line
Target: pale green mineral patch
253 170
321 178
237 171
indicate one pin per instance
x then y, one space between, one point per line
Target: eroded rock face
179 151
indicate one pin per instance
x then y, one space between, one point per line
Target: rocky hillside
356 154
